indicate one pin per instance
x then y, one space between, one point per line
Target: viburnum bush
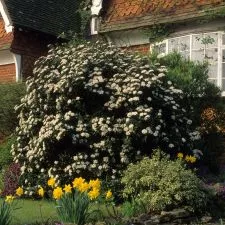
92 109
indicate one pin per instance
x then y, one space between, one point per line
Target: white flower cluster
93 109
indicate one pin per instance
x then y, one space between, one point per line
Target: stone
144 217
206 219
153 220
176 213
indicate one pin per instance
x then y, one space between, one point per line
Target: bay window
208 47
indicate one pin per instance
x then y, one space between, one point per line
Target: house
195 28
26 28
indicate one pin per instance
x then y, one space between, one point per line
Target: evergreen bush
163 184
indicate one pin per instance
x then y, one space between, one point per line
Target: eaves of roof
160 18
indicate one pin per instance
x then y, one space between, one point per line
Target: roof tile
123 10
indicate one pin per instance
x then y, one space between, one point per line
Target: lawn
31 211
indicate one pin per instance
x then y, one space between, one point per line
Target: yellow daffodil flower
19 191
83 187
95 184
108 194
41 192
51 182
93 194
67 188
9 199
190 159
57 193
77 182
180 155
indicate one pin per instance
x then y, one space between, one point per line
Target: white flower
171 145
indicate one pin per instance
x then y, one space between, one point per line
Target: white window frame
219 78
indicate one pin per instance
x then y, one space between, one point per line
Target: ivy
159 32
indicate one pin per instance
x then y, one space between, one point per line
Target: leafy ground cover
33 211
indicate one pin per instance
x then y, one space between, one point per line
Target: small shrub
10 97
11 179
163 184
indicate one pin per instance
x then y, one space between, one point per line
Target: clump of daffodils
92 189
86 109
188 158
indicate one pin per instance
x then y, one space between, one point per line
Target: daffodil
192 159
41 192
67 188
51 182
95 184
93 194
180 155
19 191
108 194
77 182
9 199
57 193
83 187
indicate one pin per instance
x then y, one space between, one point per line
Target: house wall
138 40
7 73
7 66
30 45
5 38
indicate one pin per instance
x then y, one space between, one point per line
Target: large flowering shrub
92 109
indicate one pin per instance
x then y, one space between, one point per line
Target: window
200 47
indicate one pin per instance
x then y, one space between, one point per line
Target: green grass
29 212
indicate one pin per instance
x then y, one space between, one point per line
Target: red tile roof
120 12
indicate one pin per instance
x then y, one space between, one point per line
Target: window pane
223 84
210 40
223 70
223 39
197 41
184 43
223 56
160 48
173 44
213 71
211 55
214 81
185 54
198 55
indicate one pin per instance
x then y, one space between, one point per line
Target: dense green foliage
10 97
163 184
5 155
5 213
200 96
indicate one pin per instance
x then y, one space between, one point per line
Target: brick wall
7 73
139 48
5 38
30 45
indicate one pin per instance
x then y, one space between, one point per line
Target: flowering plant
92 109
6 210
73 201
